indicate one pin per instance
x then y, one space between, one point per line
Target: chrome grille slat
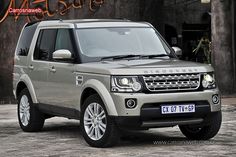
172 82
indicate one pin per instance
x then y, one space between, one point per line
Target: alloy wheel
95 121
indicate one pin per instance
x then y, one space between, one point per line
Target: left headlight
208 81
125 84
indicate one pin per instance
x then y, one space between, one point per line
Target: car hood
143 66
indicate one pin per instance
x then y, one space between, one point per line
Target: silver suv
111 75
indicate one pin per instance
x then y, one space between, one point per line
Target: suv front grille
172 82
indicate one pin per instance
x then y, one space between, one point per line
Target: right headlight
125 84
208 81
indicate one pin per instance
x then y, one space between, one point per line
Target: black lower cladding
52 110
151 116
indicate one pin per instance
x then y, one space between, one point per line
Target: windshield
105 42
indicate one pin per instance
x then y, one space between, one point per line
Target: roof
90 23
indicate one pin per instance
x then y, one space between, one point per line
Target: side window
45 44
64 41
25 40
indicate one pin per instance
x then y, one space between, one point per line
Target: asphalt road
62 137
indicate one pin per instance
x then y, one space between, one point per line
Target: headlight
208 81
125 84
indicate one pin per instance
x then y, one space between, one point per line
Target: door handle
52 69
31 67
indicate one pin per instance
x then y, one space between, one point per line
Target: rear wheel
97 127
29 117
205 132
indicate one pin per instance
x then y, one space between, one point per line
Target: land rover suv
111 75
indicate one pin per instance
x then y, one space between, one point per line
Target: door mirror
178 51
62 54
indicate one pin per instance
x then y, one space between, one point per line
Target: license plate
171 109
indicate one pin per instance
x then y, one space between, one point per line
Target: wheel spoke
90 129
23 119
99 133
27 116
91 133
87 121
21 110
26 121
104 116
24 101
102 127
21 116
27 107
96 132
90 111
97 109
101 114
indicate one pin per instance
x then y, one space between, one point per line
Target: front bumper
147 113
137 122
159 98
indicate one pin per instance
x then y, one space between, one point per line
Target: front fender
103 93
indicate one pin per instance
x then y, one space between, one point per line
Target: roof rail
80 20
36 21
95 20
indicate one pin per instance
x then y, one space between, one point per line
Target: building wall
174 13
223 42
191 12
10 30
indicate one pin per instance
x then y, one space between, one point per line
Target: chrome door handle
31 67
52 69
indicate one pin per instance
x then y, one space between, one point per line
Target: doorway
192 34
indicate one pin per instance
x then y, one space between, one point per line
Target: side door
38 64
61 78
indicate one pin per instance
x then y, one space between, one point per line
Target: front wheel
97 127
205 132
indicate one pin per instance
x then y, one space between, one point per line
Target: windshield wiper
120 57
157 55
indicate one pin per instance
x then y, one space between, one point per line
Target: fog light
215 99
130 103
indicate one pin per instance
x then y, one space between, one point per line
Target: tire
92 125
205 132
29 117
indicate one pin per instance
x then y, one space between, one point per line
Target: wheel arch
23 83
96 87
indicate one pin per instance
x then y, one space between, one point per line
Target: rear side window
45 44
25 40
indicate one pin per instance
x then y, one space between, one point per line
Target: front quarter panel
103 92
